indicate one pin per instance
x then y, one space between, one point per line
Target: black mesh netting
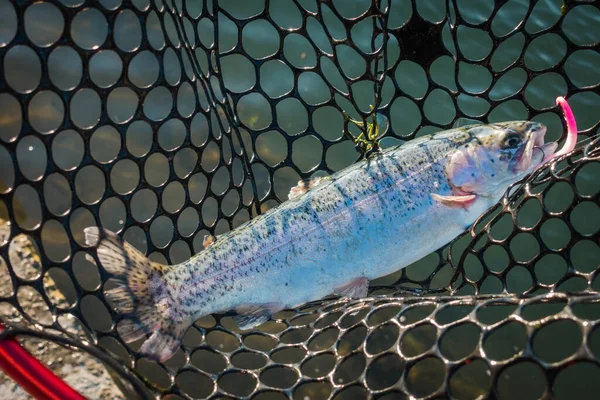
167 121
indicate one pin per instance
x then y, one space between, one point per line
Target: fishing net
166 121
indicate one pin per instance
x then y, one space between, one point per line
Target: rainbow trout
332 236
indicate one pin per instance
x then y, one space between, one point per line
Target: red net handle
33 376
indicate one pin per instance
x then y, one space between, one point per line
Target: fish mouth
547 149
535 152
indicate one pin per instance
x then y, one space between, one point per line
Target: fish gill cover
166 121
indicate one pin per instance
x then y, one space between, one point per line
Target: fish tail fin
142 295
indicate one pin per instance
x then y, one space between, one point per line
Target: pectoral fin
462 201
251 316
356 288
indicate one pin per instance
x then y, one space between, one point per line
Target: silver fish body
366 221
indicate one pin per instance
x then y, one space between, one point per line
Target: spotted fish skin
364 222
367 221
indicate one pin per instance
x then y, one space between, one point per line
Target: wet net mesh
165 121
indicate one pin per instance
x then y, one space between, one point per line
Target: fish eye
511 141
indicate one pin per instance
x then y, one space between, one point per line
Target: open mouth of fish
536 153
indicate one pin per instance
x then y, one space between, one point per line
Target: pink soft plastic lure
571 128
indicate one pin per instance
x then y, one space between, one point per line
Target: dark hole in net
425 377
270 395
349 369
538 311
384 371
351 340
573 285
281 377
352 392
324 340
394 394
494 312
452 313
569 382
237 383
382 338
288 355
313 390
209 361
459 341
192 337
589 311
511 381
303 319
353 317
147 367
248 360
383 314
519 279
101 320
222 341
418 340
294 336
260 342
415 314
195 384
319 366
506 341
471 380
556 341
179 360
550 268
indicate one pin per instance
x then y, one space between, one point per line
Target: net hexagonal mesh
167 121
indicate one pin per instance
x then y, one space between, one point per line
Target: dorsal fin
208 241
465 122
304 185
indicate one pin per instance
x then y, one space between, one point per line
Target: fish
332 236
